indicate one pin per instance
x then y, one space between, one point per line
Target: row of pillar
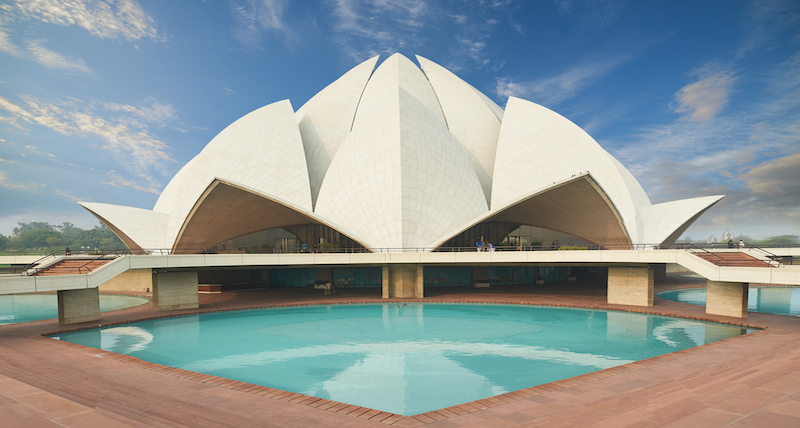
178 290
171 291
634 286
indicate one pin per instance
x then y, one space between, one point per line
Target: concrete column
403 280
175 290
76 306
726 298
140 280
630 286
480 274
385 282
420 284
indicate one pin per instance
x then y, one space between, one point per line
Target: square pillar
75 306
630 286
385 282
175 290
403 280
419 291
727 298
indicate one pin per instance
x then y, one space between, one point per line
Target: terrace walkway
732 259
747 381
72 267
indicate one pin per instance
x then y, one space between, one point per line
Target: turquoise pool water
404 358
771 300
16 308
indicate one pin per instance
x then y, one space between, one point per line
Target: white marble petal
537 147
469 118
146 229
262 150
326 119
400 178
664 223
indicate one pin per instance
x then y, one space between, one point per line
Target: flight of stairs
732 259
72 267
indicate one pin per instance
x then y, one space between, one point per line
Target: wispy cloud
371 27
106 19
750 155
703 99
157 113
763 20
252 17
69 195
127 136
555 89
9 184
148 186
6 45
52 59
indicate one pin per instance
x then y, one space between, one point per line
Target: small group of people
732 245
484 247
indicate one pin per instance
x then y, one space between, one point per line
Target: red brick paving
747 381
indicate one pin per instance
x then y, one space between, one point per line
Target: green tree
779 241
34 225
3 241
101 237
37 238
68 231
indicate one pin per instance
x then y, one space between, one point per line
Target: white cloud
6 45
52 59
555 89
254 16
370 27
126 137
118 181
750 155
703 99
106 19
7 183
159 112
69 195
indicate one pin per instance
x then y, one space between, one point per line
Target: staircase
72 267
732 259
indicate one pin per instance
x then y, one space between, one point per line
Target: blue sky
105 100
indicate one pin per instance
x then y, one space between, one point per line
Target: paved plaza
746 381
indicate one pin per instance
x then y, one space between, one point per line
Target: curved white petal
136 227
262 150
538 147
326 119
469 118
400 178
577 206
663 224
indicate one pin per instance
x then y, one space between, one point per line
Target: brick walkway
748 381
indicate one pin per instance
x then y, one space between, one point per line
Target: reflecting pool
404 358
16 308
771 300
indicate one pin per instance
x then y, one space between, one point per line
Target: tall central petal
400 177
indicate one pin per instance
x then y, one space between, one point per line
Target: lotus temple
402 157
401 189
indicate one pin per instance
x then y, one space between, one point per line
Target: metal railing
33 268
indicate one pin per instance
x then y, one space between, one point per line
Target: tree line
772 241
43 236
